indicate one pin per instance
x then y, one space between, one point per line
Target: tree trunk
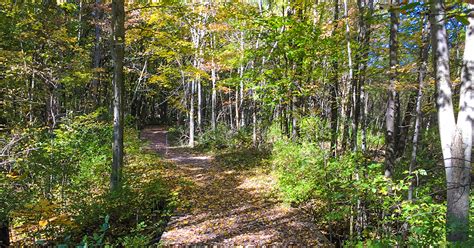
365 113
31 87
118 47
421 76
334 88
214 96
349 79
294 119
456 140
458 210
97 54
191 116
361 58
242 110
231 120
237 110
466 102
79 20
391 112
254 121
199 105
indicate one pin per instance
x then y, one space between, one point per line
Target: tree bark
97 54
199 104
118 47
365 114
79 20
191 115
237 109
349 78
466 104
391 115
458 210
456 140
421 76
31 87
241 104
361 59
294 119
231 121
214 96
334 89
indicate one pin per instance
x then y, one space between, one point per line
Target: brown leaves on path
221 206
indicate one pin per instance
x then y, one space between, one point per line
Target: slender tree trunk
391 112
237 109
294 119
79 29
361 100
421 76
199 104
254 121
361 60
31 88
456 140
199 85
185 97
356 89
191 115
97 54
230 111
195 34
334 89
213 96
349 78
365 113
52 107
242 109
118 47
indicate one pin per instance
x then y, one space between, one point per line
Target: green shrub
336 186
224 137
64 185
177 136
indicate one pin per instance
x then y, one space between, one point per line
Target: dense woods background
364 110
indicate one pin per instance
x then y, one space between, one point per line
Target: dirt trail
222 206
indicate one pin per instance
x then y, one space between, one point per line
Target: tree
391 114
334 90
424 50
118 47
456 137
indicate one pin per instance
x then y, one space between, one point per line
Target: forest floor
227 205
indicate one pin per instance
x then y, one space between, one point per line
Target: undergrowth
62 194
349 194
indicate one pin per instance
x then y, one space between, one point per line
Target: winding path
226 207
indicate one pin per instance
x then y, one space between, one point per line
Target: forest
236 123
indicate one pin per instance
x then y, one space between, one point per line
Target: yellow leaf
43 223
12 176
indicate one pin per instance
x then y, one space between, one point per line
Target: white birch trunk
456 140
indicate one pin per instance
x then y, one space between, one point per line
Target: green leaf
410 6
462 19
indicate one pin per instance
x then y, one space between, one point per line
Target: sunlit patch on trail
228 207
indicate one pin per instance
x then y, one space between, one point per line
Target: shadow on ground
224 201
